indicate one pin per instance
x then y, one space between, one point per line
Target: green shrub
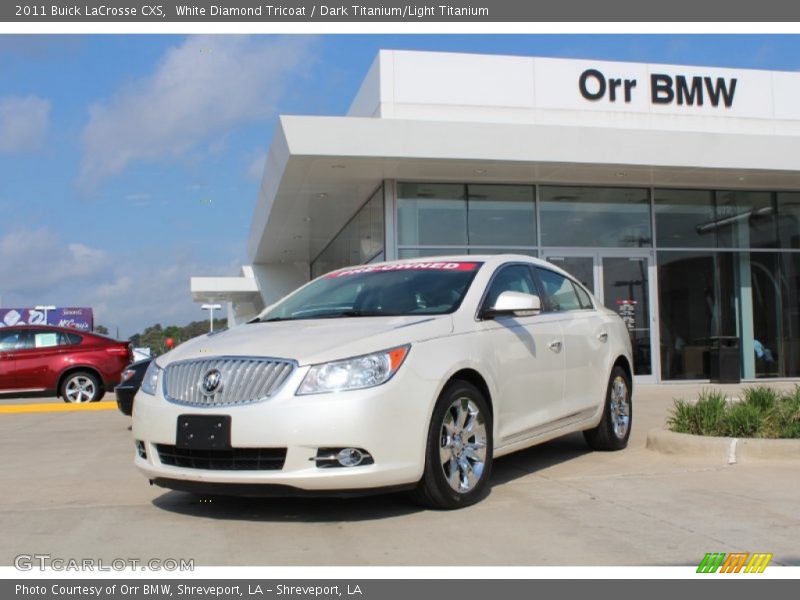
682 418
763 412
762 397
742 420
784 420
710 412
701 418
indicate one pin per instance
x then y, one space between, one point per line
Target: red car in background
43 360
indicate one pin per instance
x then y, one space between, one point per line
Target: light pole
45 309
211 308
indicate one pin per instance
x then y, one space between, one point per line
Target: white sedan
400 375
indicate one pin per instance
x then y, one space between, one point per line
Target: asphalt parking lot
70 490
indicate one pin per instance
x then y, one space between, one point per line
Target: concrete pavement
70 490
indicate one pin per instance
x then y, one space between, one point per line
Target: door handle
555 346
603 336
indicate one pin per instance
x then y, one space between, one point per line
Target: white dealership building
672 192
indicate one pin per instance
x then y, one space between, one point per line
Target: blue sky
130 163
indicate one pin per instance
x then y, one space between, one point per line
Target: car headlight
150 381
353 373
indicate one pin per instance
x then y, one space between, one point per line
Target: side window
68 339
15 340
583 297
45 339
8 340
513 278
560 291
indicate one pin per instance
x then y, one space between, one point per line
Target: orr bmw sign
634 89
696 90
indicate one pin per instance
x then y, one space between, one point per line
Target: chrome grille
244 380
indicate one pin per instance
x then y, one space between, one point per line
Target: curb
722 449
56 407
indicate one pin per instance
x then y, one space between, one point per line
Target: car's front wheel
614 429
458 456
81 387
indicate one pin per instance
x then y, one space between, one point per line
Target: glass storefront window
683 218
689 313
789 220
744 220
501 215
772 337
754 296
766 301
431 214
790 313
589 216
496 250
580 267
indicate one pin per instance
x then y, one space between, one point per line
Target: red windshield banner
414 266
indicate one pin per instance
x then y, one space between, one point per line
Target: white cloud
199 91
23 123
128 292
145 293
32 262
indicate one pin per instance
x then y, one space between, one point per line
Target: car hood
311 341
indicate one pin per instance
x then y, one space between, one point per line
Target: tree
101 329
155 336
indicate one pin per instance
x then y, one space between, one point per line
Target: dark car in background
43 360
130 383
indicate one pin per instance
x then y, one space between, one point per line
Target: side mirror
514 304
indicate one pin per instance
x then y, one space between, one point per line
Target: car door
8 344
524 355
36 360
585 341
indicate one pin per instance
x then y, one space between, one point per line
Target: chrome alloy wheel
620 407
79 389
462 445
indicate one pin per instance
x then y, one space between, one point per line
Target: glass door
622 281
626 291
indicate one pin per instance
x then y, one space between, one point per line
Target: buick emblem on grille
212 382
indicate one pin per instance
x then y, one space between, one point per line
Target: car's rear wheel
81 387
614 429
458 456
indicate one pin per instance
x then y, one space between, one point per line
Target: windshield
421 288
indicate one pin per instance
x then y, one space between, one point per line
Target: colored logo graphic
744 562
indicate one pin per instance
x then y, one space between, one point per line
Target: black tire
606 436
81 387
434 489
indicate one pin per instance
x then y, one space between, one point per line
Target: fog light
327 458
350 457
140 449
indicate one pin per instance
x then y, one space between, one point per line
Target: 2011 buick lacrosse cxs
400 375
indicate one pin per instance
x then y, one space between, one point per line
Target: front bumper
125 395
389 421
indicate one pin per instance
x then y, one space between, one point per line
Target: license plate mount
204 432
